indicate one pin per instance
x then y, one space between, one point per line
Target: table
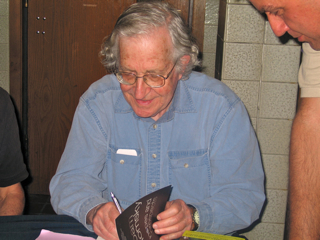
28 227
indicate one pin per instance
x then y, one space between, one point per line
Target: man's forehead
268 5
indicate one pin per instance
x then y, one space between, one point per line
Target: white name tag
130 152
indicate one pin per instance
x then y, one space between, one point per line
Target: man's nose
141 89
279 27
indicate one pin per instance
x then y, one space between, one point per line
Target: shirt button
121 161
153 185
155 126
154 155
186 165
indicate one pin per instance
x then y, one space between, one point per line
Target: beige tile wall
262 70
4 44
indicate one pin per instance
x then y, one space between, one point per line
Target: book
136 221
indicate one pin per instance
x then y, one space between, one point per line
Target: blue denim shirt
204 146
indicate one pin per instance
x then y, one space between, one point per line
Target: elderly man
12 167
180 127
300 18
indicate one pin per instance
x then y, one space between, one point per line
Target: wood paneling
182 6
64 38
15 36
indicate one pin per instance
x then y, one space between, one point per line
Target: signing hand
102 218
174 220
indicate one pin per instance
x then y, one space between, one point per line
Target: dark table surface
27 227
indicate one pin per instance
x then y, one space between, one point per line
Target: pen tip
112 195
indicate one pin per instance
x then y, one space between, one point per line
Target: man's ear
184 61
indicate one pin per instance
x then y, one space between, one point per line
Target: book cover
136 221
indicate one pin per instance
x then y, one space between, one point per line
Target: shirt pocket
189 174
124 175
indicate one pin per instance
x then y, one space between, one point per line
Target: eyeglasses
151 79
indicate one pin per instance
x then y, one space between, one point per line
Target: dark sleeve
12 167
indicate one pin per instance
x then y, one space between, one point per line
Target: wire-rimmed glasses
151 79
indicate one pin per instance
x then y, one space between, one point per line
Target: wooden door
64 38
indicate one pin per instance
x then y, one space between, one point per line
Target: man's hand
102 218
174 220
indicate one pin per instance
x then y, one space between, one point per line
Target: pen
115 200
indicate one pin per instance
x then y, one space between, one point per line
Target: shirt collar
181 103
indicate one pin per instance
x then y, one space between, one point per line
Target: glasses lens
126 78
154 80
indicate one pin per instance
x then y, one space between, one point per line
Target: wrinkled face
300 18
148 54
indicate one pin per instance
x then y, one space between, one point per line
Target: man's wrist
91 214
195 218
